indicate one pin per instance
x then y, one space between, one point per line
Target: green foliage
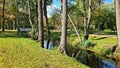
85 43
55 34
49 2
102 50
105 16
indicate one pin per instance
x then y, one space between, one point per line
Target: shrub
102 50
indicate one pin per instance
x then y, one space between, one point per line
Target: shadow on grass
12 34
98 38
108 33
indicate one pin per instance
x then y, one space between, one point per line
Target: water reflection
49 46
93 61
89 59
108 64
51 43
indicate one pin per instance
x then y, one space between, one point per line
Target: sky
110 1
56 4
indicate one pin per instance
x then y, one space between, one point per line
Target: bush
102 50
85 43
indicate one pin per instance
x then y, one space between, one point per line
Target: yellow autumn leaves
8 14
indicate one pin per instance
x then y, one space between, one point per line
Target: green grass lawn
16 51
101 44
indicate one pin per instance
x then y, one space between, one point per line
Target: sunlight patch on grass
103 41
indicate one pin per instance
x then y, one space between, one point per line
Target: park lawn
103 45
16 51
98 40
99 44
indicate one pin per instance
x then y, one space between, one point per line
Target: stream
50 44
92 60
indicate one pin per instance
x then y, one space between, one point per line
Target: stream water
50 44
91 60
94 61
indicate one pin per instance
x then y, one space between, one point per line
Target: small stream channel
50 44
91 60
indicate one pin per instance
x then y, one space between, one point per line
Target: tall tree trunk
13 25
3 16
84 9
87 24
88 21
117 3
75 28
40 23
18 28
31 23
99 18
47 25
63 40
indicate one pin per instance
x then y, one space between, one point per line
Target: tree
76 12
87 23
40 23
31 23
99 1
0 14
56 18
63 40
3 16
117 5
14 9
46 20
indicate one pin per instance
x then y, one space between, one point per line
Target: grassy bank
19 52
101 45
